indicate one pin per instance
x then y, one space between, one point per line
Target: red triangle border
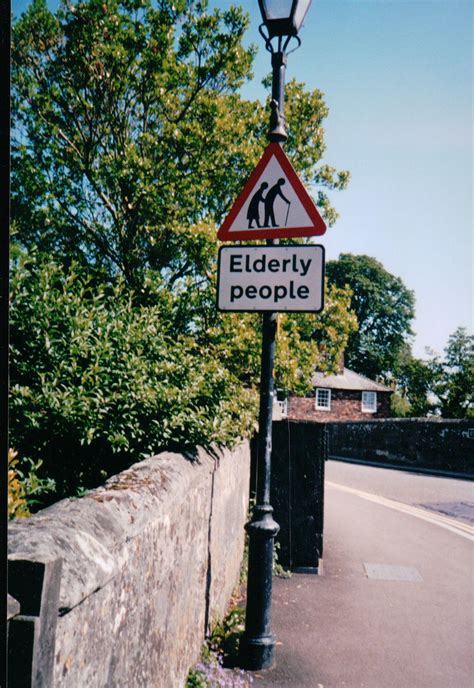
319 226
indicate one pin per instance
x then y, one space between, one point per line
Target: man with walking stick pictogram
269 203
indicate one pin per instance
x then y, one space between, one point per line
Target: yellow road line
458 527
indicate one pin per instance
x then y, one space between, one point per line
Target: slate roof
348 380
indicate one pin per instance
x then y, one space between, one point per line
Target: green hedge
98 381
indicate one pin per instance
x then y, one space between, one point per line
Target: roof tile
348 380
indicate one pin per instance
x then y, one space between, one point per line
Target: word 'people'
253 211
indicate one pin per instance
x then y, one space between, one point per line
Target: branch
104 246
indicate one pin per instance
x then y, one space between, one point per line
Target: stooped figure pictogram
269 202
253 212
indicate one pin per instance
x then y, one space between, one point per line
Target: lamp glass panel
300 12
277 9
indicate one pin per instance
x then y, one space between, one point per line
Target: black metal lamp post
282 20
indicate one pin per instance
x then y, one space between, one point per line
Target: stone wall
415 443
345 405
117 588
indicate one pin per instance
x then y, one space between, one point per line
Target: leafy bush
24 487
102 376
99 381
196 679
219 656
17 505
226 635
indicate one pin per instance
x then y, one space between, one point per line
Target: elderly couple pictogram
253 212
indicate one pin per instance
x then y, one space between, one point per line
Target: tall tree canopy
131 140
440 385
454 382
414 378
385 309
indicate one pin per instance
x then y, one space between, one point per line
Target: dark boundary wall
119 587
297 491
424 445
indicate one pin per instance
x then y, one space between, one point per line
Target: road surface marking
388 572
462 529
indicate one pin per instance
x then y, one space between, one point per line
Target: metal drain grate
392 573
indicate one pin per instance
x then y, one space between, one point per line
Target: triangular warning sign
273 203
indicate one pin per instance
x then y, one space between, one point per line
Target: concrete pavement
393 608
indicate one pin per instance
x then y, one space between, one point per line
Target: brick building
344 396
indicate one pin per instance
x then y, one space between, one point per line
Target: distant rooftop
348 380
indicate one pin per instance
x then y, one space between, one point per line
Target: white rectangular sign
271 278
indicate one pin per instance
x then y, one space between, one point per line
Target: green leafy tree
308 342
130 138
455 383
122 111
415 380
384 308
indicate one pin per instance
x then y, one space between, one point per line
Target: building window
323 399
369 402
282 400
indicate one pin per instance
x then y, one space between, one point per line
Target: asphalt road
454 498
394 606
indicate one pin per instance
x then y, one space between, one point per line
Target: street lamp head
283 17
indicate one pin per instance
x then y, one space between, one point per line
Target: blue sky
397 77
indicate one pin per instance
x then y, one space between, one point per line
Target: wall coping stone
89 533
